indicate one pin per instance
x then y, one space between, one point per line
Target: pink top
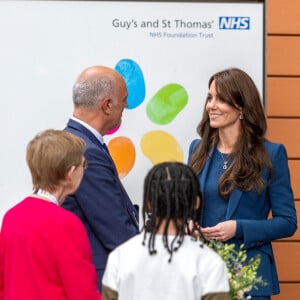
45 254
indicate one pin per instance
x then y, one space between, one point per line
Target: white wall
46 44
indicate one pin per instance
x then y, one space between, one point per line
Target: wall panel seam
282 75
284 34
283 117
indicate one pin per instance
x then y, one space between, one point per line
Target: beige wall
283 112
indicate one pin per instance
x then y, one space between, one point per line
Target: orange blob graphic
122 151
160 146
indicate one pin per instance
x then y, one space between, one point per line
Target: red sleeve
1 269
73 257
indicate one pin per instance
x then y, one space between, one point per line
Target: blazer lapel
84 130
75 125
233 202
203 174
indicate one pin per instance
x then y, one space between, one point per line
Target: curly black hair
171 194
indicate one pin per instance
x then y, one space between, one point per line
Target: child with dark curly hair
164 262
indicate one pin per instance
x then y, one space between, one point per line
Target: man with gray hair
101 202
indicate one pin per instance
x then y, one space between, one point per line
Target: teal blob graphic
167 103
134 78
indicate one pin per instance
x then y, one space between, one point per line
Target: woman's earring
241 116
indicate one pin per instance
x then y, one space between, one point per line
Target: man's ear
106 105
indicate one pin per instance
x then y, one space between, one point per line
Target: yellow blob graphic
122 151
160 146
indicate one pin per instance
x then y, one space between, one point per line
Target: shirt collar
90 128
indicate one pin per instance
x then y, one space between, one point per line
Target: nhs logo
234 23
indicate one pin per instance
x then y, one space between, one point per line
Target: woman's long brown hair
236 88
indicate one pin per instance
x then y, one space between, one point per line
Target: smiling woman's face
221 114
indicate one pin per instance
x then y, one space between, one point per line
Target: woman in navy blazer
243 176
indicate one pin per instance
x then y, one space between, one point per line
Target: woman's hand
223 231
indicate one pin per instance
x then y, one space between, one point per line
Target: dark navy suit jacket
251 211
101 201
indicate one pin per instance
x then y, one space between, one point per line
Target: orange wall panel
283 55
288 261
283 96
283 111
287 132
283 16
288 291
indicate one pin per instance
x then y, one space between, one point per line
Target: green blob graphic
166 104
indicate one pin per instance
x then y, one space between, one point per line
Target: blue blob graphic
134 78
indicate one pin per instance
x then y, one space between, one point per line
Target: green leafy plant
242 273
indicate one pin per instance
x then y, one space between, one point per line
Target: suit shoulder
277 152
194 145
67 218
274 148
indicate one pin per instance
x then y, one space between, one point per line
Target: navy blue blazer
101 201
251 211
